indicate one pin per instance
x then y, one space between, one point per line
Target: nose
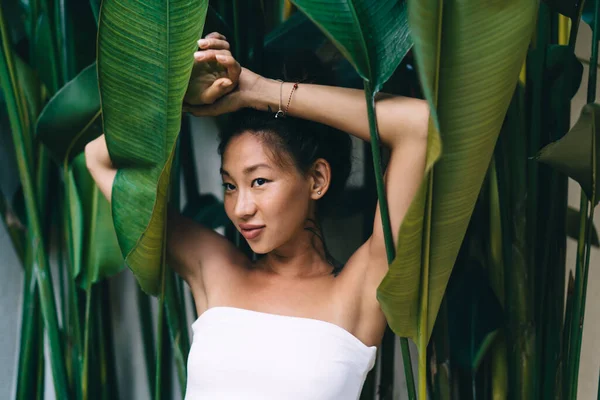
245 205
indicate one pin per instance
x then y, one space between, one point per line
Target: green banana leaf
95 6
46 54
101 254
576 154
145 57
372 34
71 118
469 56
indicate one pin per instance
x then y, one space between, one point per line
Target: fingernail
226 84
199 55
202 43
221 57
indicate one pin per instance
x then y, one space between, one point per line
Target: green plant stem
60 24
143 302
85 378
387 230
28 359
566 336
160 343
174 302
34 232
424 306
583 244
161 353
179 336
73 322
581 277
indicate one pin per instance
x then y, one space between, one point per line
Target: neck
304 257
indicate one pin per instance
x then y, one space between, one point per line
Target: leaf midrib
362 40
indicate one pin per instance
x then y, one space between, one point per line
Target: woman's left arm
400 120
402 124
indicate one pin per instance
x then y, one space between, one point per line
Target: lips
251 231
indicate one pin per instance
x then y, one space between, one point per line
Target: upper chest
326 297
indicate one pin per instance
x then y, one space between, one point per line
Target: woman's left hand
215 72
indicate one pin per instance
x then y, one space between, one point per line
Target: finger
219 88
212 43
210 55
231 65
216 35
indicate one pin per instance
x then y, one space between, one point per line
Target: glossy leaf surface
72 117
469 56
372 34
145 57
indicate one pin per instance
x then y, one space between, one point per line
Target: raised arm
402 124
191 248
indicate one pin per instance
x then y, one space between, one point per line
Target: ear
320 177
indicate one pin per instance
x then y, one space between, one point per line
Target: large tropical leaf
145 57
72 117
469 56
576 154
372 34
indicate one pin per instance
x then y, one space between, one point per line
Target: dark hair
302 141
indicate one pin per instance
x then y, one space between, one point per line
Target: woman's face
268 203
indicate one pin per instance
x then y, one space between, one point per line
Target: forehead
244 150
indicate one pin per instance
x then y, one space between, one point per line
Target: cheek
228 205
288 207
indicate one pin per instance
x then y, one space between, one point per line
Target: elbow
96 154
89 156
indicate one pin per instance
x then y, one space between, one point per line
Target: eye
259 181
228 186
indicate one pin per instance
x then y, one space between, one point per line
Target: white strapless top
250 355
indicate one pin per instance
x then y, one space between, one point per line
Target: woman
289 325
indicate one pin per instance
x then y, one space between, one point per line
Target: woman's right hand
215 72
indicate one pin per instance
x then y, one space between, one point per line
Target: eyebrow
247 170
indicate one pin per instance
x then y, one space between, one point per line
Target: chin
258 249
262 245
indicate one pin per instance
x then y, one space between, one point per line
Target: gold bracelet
282 113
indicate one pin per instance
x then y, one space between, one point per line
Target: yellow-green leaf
145 57
469 56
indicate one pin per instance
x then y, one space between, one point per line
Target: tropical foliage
483 244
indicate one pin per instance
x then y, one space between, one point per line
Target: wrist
262 94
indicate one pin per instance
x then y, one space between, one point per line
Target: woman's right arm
191 248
